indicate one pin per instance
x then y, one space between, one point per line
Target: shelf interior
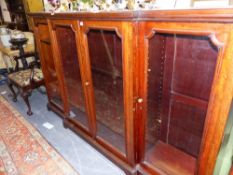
171 160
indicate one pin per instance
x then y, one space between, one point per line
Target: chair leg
13 92
25 95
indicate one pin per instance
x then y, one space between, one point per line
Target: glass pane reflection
105 49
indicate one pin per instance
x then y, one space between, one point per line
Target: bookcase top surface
222 15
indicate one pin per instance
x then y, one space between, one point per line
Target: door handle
140 100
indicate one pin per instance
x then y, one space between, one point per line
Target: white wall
181 4
214 3
5 12
168 4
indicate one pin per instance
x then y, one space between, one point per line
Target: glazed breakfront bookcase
149 89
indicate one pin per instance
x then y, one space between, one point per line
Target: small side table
18 43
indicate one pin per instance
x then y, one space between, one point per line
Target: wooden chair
25 79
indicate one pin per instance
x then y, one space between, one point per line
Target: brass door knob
140 100
159 121
87 83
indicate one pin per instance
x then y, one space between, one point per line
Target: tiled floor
83 157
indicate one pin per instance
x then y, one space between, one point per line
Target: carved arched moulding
71 26
210 34
40 21
87 28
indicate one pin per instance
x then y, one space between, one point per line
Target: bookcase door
43 42
66 45
107 59
180 69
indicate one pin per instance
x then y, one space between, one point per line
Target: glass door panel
71 72
180 74
105 50
53 88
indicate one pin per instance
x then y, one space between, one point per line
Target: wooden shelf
170 160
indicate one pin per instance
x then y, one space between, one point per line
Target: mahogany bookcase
150 89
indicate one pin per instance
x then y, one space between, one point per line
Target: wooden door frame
72 24
38 40
125 31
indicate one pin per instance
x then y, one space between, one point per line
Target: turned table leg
10 85
25 95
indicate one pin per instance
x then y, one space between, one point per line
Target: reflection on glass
71 70
105 51
53 88
180 74
52 85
